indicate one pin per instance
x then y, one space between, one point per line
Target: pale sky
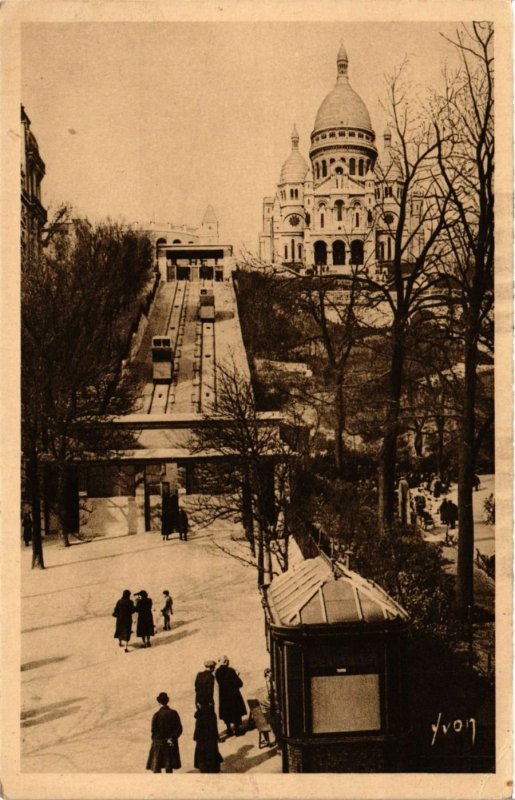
154 121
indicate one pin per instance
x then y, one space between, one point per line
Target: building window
339 210
285 251
357 220
380 251
332 135
324 169
322 219
360 136
324 136
352 166
356 251
332 160
341 133
389 247
361 166
388 191
339 171
300 251
351 133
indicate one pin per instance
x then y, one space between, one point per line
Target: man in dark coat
183 525
123 611
231 703
452 514
205 685
27 528
145 626
166 729
207 756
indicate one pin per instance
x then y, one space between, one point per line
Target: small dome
343 107
295 168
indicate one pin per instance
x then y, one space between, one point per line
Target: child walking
167 610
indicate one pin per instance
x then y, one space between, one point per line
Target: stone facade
339 209
33 214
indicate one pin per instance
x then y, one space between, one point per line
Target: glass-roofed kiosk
336 644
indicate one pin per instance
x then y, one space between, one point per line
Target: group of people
126 607
415 500
166 725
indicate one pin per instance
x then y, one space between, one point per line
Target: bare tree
77 297
257 473
412 213
332 306
464 125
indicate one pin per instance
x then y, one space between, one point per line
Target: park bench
260 722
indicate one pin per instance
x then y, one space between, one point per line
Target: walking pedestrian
231 704
443 511
167 610
205 685
476 482
123 611
207 757
165 730
452 514
145 626
183 525
27 528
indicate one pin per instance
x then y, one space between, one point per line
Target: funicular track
162 394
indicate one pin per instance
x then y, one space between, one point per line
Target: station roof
313 594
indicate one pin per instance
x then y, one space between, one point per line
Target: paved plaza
87 705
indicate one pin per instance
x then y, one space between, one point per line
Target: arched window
322 220
320 253
331 161
324 169
389 247
339 170
361 167
317 170
300 251
352 166
338 253
356 252
339 210
176 241
356 219
380 251
158 243
286 251
291 194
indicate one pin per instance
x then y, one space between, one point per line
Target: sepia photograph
262 416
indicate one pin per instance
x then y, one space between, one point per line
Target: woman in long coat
207 756
145 626
232 706
123 611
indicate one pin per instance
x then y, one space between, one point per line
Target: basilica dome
343 107
295 168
